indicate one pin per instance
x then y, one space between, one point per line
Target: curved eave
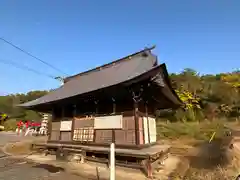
167 80
163 82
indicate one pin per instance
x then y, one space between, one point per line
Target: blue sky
78 35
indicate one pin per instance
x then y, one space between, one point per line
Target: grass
10 125
219 173
193 130
228 171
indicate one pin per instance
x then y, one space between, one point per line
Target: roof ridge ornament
147 50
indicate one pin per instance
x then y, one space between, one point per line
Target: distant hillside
207 96
7 105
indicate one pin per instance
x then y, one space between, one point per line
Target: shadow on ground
56 169
50 168
212 155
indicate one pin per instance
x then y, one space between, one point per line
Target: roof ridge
108 64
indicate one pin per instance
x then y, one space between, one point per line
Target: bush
10 125
1 128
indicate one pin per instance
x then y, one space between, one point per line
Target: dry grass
206 163
19 148
24 147
198 166
221 172
204 160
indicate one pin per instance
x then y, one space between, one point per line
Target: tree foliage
206 96
232 79
9 108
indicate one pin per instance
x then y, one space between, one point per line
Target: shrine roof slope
111 74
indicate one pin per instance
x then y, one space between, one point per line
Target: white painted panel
108 122
145 128
66 126
152 129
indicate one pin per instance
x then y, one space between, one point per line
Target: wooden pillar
73 121
96 106
114 106
112 148
146 114
136 100
62 109
94 131
74 110
62 116
114 112
49 126
136 115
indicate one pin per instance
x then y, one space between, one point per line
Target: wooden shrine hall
115 102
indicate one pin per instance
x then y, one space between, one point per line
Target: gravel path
21 169
11 137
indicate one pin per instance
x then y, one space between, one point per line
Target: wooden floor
149 151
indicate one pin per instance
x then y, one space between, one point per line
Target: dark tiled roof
108 65
108 75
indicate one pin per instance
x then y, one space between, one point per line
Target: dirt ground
23 147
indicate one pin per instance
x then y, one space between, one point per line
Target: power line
23 67
29 54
